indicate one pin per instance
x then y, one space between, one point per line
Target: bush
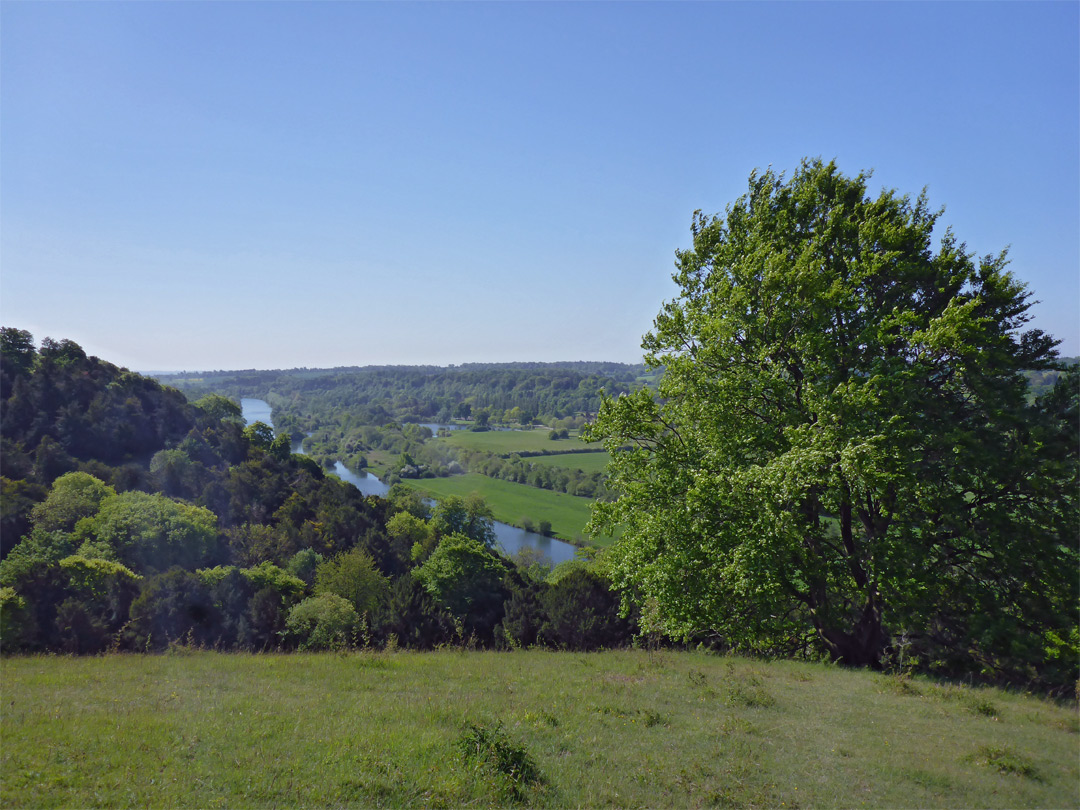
353 576
414 618
16 622
466 578
323 622
493 749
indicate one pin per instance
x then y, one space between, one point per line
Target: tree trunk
863 646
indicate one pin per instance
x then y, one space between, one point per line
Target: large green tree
466 577
840 451
353 576
151 532
470 516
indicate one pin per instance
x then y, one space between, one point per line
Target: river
510 538
255 410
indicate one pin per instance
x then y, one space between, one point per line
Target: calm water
434 427
255 410
510 538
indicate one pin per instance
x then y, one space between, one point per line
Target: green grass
380 461
586 462
511 502
502 442
453 729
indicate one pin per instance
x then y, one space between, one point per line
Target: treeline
518 469
134 519
305 399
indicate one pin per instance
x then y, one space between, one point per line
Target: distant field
380 461
483 729
586 462
511 502
501 442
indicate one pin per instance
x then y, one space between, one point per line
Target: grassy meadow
453 728
510 502
586 462
502 442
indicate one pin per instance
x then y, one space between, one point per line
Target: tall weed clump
491 749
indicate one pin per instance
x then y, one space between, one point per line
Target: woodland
135 520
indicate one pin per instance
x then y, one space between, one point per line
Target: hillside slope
450 729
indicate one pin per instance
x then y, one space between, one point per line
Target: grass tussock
509 763
535 728
1004 759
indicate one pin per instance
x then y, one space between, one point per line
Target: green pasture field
511 502
192 729
586 462
502 442
380 461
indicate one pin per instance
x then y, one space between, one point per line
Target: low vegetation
448 729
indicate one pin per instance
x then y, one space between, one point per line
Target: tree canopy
840 450
152 532
469 516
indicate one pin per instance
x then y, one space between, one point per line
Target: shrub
493 749
414 618
466 578
15 619
353 576
323 622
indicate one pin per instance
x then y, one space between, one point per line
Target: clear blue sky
232 185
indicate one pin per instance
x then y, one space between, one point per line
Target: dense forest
134 519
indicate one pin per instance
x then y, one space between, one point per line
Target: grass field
454 729
380 461
586 462
511 502
502 442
